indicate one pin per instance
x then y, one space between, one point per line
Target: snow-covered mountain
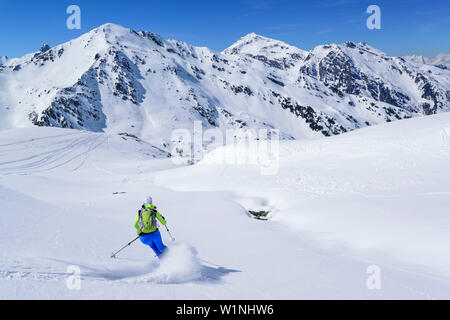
3 60
118 80
442 60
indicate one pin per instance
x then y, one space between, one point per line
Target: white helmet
148 200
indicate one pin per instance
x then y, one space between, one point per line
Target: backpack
153 220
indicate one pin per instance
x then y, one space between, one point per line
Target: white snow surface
376 196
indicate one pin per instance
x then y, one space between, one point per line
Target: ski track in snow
77 149
181 265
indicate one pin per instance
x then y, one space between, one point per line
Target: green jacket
148 226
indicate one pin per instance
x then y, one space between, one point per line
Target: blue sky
407 26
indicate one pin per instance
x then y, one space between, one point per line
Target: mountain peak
114 33
109 26
3 60
253 43
110 29
254 36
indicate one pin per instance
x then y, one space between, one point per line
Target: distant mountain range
118 80
442 60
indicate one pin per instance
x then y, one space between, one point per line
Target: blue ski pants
154 241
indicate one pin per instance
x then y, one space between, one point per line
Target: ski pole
171 238
114 254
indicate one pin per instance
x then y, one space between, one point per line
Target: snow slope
383 190
376 196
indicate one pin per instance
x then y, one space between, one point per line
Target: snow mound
379 190
179 265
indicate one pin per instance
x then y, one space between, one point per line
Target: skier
146 225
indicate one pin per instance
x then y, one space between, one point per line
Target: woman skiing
146 224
